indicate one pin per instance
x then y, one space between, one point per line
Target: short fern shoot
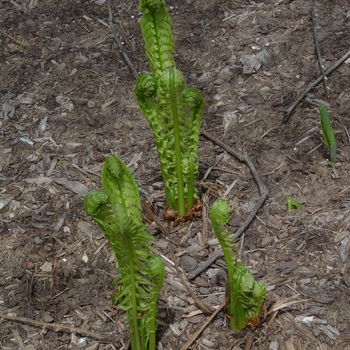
116 209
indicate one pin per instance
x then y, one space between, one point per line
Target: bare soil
67 102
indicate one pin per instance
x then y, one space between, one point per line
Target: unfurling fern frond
156 31
246 295
174 113
117 211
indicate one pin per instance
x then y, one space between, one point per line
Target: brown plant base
170 214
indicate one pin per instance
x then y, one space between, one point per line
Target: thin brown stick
146 207
205 325
120 45
243 157
290 110
56 327
182 277
20 43
215 255
18 339
249 343
317 48
205 216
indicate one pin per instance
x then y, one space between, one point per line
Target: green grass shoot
291 204
117 211
328 134
173 112
246 295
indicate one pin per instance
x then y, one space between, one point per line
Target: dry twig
120 45
56 327
205 325
318 52
243 157
182 277
20 43
146 207
215 255
290 110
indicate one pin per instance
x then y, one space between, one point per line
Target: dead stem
290 110
56 327
243 157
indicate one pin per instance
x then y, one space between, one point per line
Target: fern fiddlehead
116 209
174 113
246 295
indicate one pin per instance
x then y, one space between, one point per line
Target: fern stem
176 131
190 185
133 313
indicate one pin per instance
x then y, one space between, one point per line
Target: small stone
91 104
64 310
25 143
283 257
305 281
208 343
287 267
29 313
213 272
163 244
346 279
204 290
92 347
82 342
37 240
266 241
205 77
25 100
200 282
188 263
46 267
47 318
218 81
305 271
316 332
274 346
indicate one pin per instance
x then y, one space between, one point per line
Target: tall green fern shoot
328 134
174 112
246 295
116 209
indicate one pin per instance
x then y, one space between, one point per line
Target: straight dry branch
56 327
317 48
290 110
243 157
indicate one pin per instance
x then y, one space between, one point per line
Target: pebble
212 272
25 142
37 240
266 241
274 346
188 263
204 290
47 318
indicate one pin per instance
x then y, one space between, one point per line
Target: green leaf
328 133
333 153
291 204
